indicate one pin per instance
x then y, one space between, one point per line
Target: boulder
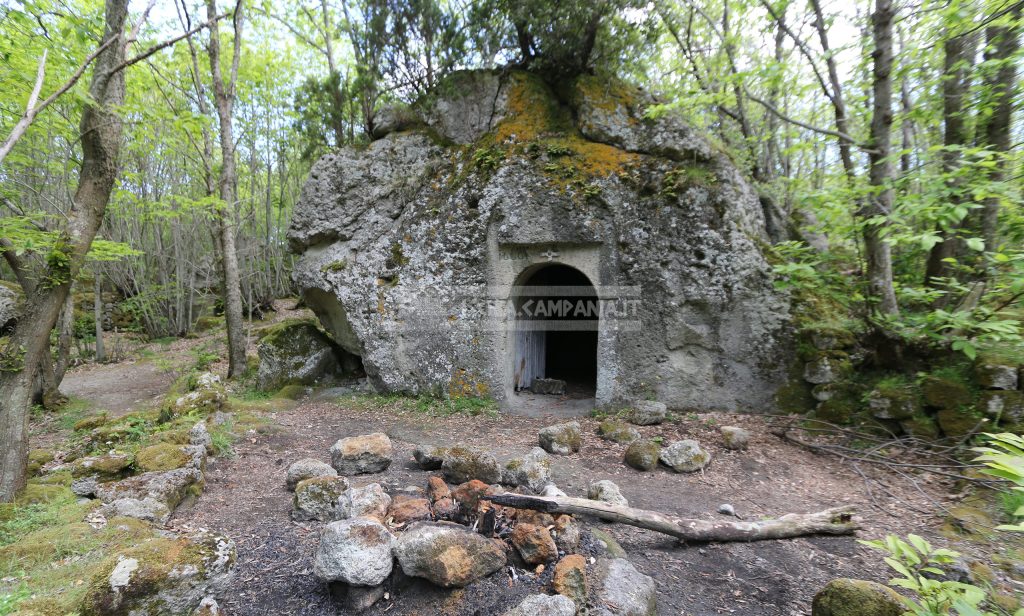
553 387
534 544
551 490
394 118
429 458
367 501
848 597
543 605
467 495
994 375
921 426
619 589
685 456
361 598
437 489
446 554
893 403
161 576
734 438
610 546
307 468
607 492
532 470
207 397
957 423
461 464
643 454
298 353
570 579
617 431
149 496
561 439
945 393
355 551
648 413
356 455
318 498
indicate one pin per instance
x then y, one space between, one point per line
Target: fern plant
1004 458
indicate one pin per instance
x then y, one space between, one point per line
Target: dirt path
246 498
118 388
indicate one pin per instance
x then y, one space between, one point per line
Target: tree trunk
837 521
958 56
97 314
101 139
1002 39
877 207
224 96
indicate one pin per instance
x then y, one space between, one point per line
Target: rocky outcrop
399 241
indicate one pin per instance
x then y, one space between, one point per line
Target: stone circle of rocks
453 536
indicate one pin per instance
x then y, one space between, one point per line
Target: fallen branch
837 521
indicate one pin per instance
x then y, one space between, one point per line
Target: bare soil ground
246 498
118 388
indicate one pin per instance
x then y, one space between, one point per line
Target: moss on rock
617 431
848 597
161 457
643 454
958 423
89 423
945 392
37 458
35 493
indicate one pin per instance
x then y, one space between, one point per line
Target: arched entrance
556 327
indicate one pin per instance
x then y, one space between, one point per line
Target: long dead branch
836 521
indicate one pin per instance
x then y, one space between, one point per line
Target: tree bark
101 139
1002 41
958 55
877 207
836 521
224 96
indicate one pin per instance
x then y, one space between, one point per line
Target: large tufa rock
307 468
685 456
163 576
356 552
607 492
532 471
562 439
447 554
393 235
648 413
462 464
318 498
847 597
299 353
356 455
620 589
543 605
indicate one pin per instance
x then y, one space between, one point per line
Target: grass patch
1011 502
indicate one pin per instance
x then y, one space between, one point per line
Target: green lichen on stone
794 397
160 457
37 458
90 423
958 423
643 454
291 392
36 493
944 391
617 431
848 597
922 426
610 544
107 466
280 332
334 266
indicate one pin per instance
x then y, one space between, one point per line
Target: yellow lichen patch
532 110
600 160
465 384
161 457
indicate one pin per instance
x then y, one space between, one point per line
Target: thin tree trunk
224 96
878 206
100 130
836 521
97 314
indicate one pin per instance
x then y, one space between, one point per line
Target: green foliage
488 159
1004 458
919 566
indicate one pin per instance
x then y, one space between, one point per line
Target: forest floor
245 498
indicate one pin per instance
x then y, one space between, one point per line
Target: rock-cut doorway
556 326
